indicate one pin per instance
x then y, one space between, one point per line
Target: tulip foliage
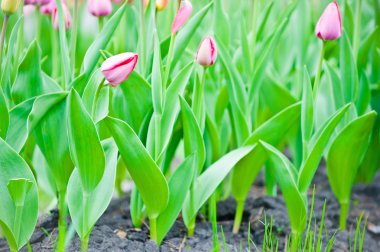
188 100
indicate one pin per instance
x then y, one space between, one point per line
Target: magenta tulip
207 52
100 8
329 26
117 69
182 15
67 16
48 8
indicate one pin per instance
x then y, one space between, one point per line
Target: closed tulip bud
10 6
66 14
207 52
117 69
100 8
30 2
329 26
161 4
182 15
48 8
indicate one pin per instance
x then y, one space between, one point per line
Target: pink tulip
117 69
67 17
36 2
207 52
100 8
48 8
182 15
329 26
161 4
119 1
29 2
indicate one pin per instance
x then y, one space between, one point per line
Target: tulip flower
28 9
100 8
10 6
160 4
117 69
182 15
207 52
67 17
329 26
48 8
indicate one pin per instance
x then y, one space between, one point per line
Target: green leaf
187 32
335 85
179 184
193 140
307 114
84 143
221 22
206 184
29 212
284 173
365 49
98 200
29 81
364 95
132 101
92 55
18 189
316 146
4 115
145 173
348 70
346 154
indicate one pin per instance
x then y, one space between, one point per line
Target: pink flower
67 17
329 26
48 8
100 8
117 69
28 9
182 15
28 2
207 52
35 2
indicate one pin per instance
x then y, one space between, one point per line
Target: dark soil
114 230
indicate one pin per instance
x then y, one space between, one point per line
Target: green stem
294 241
191 228
101 23
344 207
254 24
55 53
17 222
213 218
357 28
238 216
143 42
74 35
270 182
96 98
84 241
2 37
319 70
169 60
153 228
62 221
198 98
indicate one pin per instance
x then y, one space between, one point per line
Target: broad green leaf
92 55
264 19
187 32
192 135
18 189
365 49
335 86
51 138
4 115
346 154
98 200
145 173
206 184
84 143
179 184
276 97
29 81
136 208
364 95
316 147
29 212
211 141
284 173
221 22
348 70
132 101
307 114
158 89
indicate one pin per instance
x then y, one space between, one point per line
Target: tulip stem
169 60
357 28
74 35
344 208
319 70
143 43
2 37
101 23
61 221
153 229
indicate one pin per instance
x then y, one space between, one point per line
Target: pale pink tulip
29 2
117 69
207 52
67 17
182 15
48 8
329 26
36 2
100 8
28 9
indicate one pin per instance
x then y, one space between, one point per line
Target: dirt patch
114 230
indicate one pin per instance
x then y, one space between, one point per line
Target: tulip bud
207 52
10 6
66 14
117 69
30 2
48 8
182 15
100 8
161 4
329 26
28 9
